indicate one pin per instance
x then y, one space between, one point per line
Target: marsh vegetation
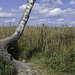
51 48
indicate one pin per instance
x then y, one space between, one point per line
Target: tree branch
13 38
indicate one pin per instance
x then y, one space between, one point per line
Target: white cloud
10 20
22 7
1 9
33 17
52 3
46 10
5 14
59 2
60 20
58 23
15 10
38 21
69 11
55 12
42 20
53 15
37 7
72 2
72 22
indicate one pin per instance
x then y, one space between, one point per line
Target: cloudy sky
54 12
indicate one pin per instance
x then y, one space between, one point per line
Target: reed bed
53 48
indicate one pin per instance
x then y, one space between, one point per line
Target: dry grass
52 48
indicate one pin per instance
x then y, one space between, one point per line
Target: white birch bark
7 42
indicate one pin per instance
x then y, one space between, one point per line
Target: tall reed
50 47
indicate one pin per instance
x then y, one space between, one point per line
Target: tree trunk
7 42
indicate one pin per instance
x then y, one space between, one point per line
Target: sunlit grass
52 48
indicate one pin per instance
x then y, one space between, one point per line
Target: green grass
5 69
52 48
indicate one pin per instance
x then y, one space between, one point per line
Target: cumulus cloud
43 13
39 21
59 2
55 12
1 9
15 10
37 7
69 11
9 20
58 23
72 2
42 20
72 22
52 3
46 10
5 14
33 17
22 7
60 20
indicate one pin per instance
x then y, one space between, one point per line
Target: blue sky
54 12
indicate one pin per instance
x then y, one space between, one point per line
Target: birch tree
7 42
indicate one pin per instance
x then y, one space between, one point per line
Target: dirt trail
27 70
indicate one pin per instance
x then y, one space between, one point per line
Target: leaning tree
7 42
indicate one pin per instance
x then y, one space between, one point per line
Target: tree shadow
14 50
